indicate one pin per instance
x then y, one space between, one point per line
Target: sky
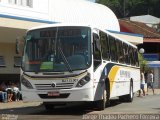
92 0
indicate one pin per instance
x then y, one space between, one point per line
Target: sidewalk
156 91
18 104
28 104
150 92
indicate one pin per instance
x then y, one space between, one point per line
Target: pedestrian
142 84
3 93
16 92
9 91
150 81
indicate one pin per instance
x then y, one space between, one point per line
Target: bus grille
56 87
45 96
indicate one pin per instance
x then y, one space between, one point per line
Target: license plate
53 93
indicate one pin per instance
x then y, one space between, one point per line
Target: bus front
56 65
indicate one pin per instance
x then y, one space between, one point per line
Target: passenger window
136 57
96 51
113 49
126 55
120 51
105 46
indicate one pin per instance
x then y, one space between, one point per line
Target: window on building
29 3
25 3
17 61
2 61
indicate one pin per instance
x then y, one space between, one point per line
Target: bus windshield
57 49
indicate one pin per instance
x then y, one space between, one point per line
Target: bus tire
129 97
101 104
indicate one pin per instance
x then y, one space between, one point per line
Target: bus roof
60 25
81 25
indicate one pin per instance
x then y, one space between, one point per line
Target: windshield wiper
65 59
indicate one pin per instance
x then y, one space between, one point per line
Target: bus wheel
101 104
49 106
129 97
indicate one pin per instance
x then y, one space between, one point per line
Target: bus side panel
119 78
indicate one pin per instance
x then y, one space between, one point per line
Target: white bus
77 63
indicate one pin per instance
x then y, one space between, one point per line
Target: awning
151 40
20 22
12 27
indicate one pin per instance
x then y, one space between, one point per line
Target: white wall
7 50
76 11
72 11
40 10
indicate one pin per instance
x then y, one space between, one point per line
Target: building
149 20
151 44
16 16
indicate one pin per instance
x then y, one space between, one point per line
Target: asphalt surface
36 111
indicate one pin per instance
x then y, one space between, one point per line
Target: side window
120 51
105 46
136 57
96 51
126 55
113 49
133 61
129 55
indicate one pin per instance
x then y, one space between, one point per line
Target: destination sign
64 32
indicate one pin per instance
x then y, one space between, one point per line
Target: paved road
147 104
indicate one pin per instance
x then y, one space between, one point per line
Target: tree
127 8
143 63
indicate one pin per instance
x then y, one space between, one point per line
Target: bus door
97 59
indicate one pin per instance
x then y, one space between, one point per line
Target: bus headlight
83 81
26 83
